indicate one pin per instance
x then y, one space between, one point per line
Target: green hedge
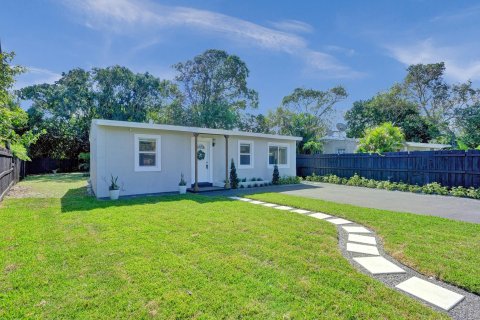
431 188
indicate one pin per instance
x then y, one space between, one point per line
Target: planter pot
182 189
114 194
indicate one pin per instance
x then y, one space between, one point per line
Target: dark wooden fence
47 165
450 168
12 170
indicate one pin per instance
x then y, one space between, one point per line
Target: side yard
66 255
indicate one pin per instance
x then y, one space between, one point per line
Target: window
147 152
245 154
340 151
278 155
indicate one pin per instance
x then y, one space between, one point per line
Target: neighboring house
340 145
149 158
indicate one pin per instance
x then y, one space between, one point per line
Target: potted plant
114 188
182 185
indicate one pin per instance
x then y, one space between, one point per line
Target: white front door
204 158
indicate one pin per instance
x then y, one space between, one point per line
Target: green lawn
175 257
446 249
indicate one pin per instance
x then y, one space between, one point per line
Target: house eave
166 127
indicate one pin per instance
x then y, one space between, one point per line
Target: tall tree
66 108
468 121
306 113
254 123
215 88
435 98
390 106
14 133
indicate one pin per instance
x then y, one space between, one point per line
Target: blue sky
363 45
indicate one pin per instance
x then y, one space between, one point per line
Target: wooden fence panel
450 168
12 170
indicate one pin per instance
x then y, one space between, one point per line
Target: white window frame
278 144
251 165
341 151
158 147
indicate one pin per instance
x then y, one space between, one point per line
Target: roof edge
167 127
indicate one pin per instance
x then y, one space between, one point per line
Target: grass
446 249
177 257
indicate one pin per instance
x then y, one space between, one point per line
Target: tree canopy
383 138
14 132
306 113
214 86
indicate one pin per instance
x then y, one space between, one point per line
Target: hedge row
431 188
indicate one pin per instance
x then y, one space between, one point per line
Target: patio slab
362 239
339 221
257 202
283 208
270 205
300 211
320 215
362 248
378 265
432 293
356 230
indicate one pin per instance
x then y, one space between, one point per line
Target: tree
436 99
14 133
66 108
254 123
468 121
306 113
380 139
390 106
215 89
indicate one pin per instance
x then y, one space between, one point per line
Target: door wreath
200 155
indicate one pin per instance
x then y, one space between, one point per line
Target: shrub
434 188
276 175
371 183
415 188
354 181
290 180
459 191
233 176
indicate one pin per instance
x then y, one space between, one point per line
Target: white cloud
35 75
123 16
292 26
459 64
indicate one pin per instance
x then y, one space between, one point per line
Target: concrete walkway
365 251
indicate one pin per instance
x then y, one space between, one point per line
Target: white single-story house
150 158
341 145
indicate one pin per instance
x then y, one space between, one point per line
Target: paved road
461 209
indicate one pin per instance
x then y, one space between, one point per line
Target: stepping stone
356 230
432 293
319 215
257 202
378 265
269 204
300 211
362 239
339 221
283 208
235 198
361 248
245 199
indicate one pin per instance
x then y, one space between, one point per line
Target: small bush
290 180
434 188
276 175
459 191
233 176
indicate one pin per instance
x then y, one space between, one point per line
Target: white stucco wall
113 153
332 146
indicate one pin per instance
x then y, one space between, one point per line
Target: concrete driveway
455 208
461 209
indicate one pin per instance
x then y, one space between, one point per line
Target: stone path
363 249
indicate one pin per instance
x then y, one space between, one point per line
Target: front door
203 157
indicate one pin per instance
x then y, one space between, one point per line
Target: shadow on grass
57 178
78 200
